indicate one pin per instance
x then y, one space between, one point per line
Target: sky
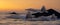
21 5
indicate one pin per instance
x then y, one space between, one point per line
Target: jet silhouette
50 12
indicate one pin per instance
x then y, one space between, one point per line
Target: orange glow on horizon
20 5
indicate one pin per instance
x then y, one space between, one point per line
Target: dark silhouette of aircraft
50 12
